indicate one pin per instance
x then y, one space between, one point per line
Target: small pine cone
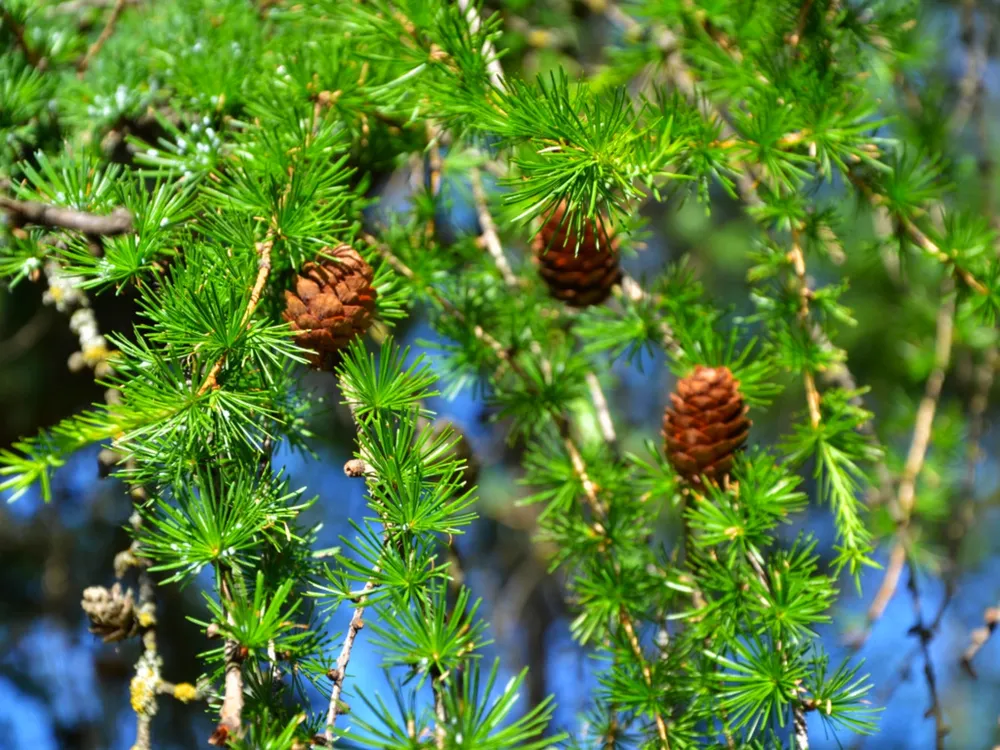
112 613
579 275
333 302
706 425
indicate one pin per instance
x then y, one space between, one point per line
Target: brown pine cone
579 275
333 302
706 425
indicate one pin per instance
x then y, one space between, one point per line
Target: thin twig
634 292
890 581
76 6
979 637
340 670
902 505
799 265
263 271
493 67
490 237
917 236
925 635
928 404
106 33
117 222
358 467
26 336
971 87
800 23
604 420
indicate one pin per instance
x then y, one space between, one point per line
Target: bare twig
117 222
800 24
106 33
340 670
801 727
902 505
26 336
926 635
604 420
979 637
890 581
357 467
490 237
231 712
928 405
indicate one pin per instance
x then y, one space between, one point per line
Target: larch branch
117 222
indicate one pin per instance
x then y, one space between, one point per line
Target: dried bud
112 613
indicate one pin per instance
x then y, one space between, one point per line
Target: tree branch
117 222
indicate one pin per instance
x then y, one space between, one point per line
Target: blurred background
60 687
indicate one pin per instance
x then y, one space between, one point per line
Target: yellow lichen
185 691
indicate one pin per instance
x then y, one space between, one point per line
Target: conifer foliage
215 159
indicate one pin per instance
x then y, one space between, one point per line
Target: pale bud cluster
65 294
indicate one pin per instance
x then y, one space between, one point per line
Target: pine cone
333 302
579 275
112 613
706 425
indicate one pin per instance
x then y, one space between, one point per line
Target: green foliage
244 139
